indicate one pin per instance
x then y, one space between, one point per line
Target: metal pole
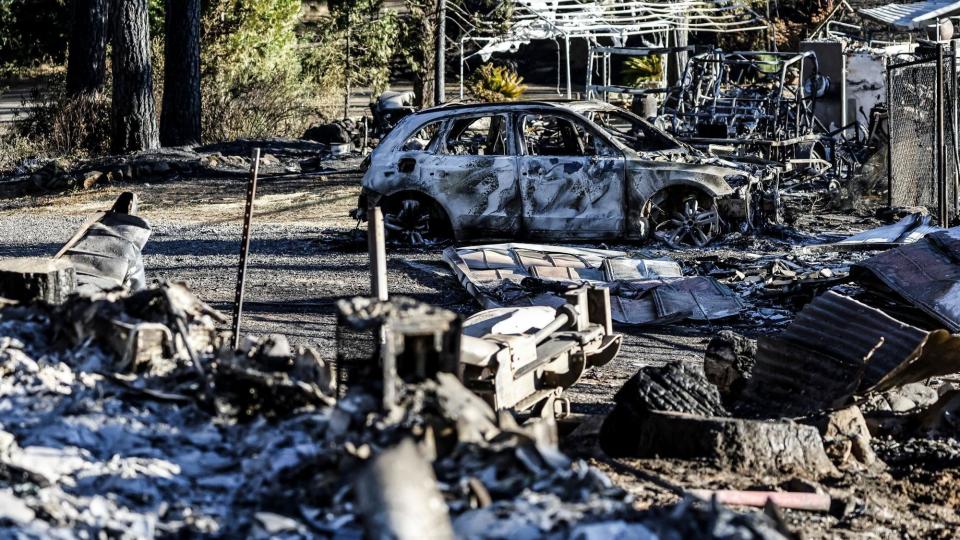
461 69
245 245
376 240
566 40
941 144
889 134
346 72
440 83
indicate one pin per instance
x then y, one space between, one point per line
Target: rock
728 363
739 445
160 167
91 178
845 436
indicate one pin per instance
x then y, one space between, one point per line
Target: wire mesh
913 134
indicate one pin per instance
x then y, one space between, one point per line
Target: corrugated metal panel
911 15
791 379
856 333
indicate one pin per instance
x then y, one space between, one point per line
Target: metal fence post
889 134
940 142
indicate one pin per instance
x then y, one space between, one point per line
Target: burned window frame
430 148
509 147
584 123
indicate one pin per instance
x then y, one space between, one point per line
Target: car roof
570 105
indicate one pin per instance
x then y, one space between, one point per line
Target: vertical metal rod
889 133
461 69
245 244
346 72
376 240
440 82
566 41
941 144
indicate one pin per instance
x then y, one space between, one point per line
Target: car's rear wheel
414 221
684 218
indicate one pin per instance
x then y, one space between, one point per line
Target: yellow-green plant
638 70
492 83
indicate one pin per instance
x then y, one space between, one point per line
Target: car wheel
412 222
685 219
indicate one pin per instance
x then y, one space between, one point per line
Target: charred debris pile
130 415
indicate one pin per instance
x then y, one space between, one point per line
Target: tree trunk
133 115
86 63
180 116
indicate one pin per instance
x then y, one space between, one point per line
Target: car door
571 178
475 170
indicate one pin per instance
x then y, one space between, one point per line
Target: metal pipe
245 245
440 69
813 502
941 144
376 239
566 41
562 320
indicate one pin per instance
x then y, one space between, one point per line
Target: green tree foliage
372 35
33 32
493 83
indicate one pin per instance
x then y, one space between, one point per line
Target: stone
736 444
846 435
91 178
728 363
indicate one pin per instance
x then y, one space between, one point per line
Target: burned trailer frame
752 105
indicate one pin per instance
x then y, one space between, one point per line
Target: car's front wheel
683 218
415 222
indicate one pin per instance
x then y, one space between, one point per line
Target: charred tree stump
29 279
180 115
133 116
86 63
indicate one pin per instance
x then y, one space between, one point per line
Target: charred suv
553 171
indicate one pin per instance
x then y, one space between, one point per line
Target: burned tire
683 217
415 221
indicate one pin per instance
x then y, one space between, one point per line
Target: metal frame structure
773 115
598 19
944 152
604 56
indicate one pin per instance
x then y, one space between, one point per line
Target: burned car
546 170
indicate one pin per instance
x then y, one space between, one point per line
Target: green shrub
638 70
493 83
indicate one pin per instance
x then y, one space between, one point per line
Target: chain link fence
914 164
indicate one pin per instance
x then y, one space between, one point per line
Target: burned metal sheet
643 291
838 348
925 274
908 230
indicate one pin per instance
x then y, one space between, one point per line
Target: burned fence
923 165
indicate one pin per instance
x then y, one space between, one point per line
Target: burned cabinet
473 173
571 178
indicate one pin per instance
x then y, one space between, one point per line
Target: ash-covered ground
307 253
